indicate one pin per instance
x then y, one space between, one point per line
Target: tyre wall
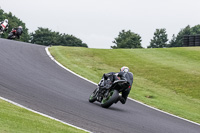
191 40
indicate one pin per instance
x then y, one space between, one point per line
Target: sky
98 22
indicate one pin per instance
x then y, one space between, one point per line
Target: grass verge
166 78
14 119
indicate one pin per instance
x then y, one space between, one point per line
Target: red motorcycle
12 34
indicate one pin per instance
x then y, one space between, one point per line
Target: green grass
166 78
14 119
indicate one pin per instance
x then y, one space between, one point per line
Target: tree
159 40
127 39
45 36
14 22
179 38
195 30
172 43
70 40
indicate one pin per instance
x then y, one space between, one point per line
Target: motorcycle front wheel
111 98
93 96
10 36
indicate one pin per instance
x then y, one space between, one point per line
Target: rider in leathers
18 31
124 74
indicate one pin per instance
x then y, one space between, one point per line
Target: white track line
48 53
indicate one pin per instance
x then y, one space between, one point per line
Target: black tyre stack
197 40
186 40
191 40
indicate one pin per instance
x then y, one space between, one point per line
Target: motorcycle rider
17 31
124 74
4 25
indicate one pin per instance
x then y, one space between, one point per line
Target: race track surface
29 77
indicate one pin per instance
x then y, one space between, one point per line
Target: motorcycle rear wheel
110 99
1 31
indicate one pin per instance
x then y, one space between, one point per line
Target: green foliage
70 40
127 39
44 36
177 41
159 40
173 41
195 30
14 22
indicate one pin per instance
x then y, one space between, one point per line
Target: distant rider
4 25
124 74
18 31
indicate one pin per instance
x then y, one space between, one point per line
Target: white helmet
124 69
20 27
6 20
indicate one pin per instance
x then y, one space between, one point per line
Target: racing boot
122 100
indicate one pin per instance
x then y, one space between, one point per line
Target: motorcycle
12 34
107 93
1 30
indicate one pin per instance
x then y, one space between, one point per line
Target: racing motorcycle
12 34
107 92
1 30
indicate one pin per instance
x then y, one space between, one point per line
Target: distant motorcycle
107 93
1 30
12 34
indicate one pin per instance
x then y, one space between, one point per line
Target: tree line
42 36
128 39
45 36
125 39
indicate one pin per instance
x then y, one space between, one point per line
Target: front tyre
93 96
10 36
110 99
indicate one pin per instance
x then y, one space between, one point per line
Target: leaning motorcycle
108 93
1 30
12 34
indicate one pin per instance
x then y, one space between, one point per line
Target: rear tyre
1 31
93 96
110 99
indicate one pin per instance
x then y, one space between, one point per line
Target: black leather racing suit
18 32
121 75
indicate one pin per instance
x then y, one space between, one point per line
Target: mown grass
14 119
166 78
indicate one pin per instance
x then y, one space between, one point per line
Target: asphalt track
29 77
